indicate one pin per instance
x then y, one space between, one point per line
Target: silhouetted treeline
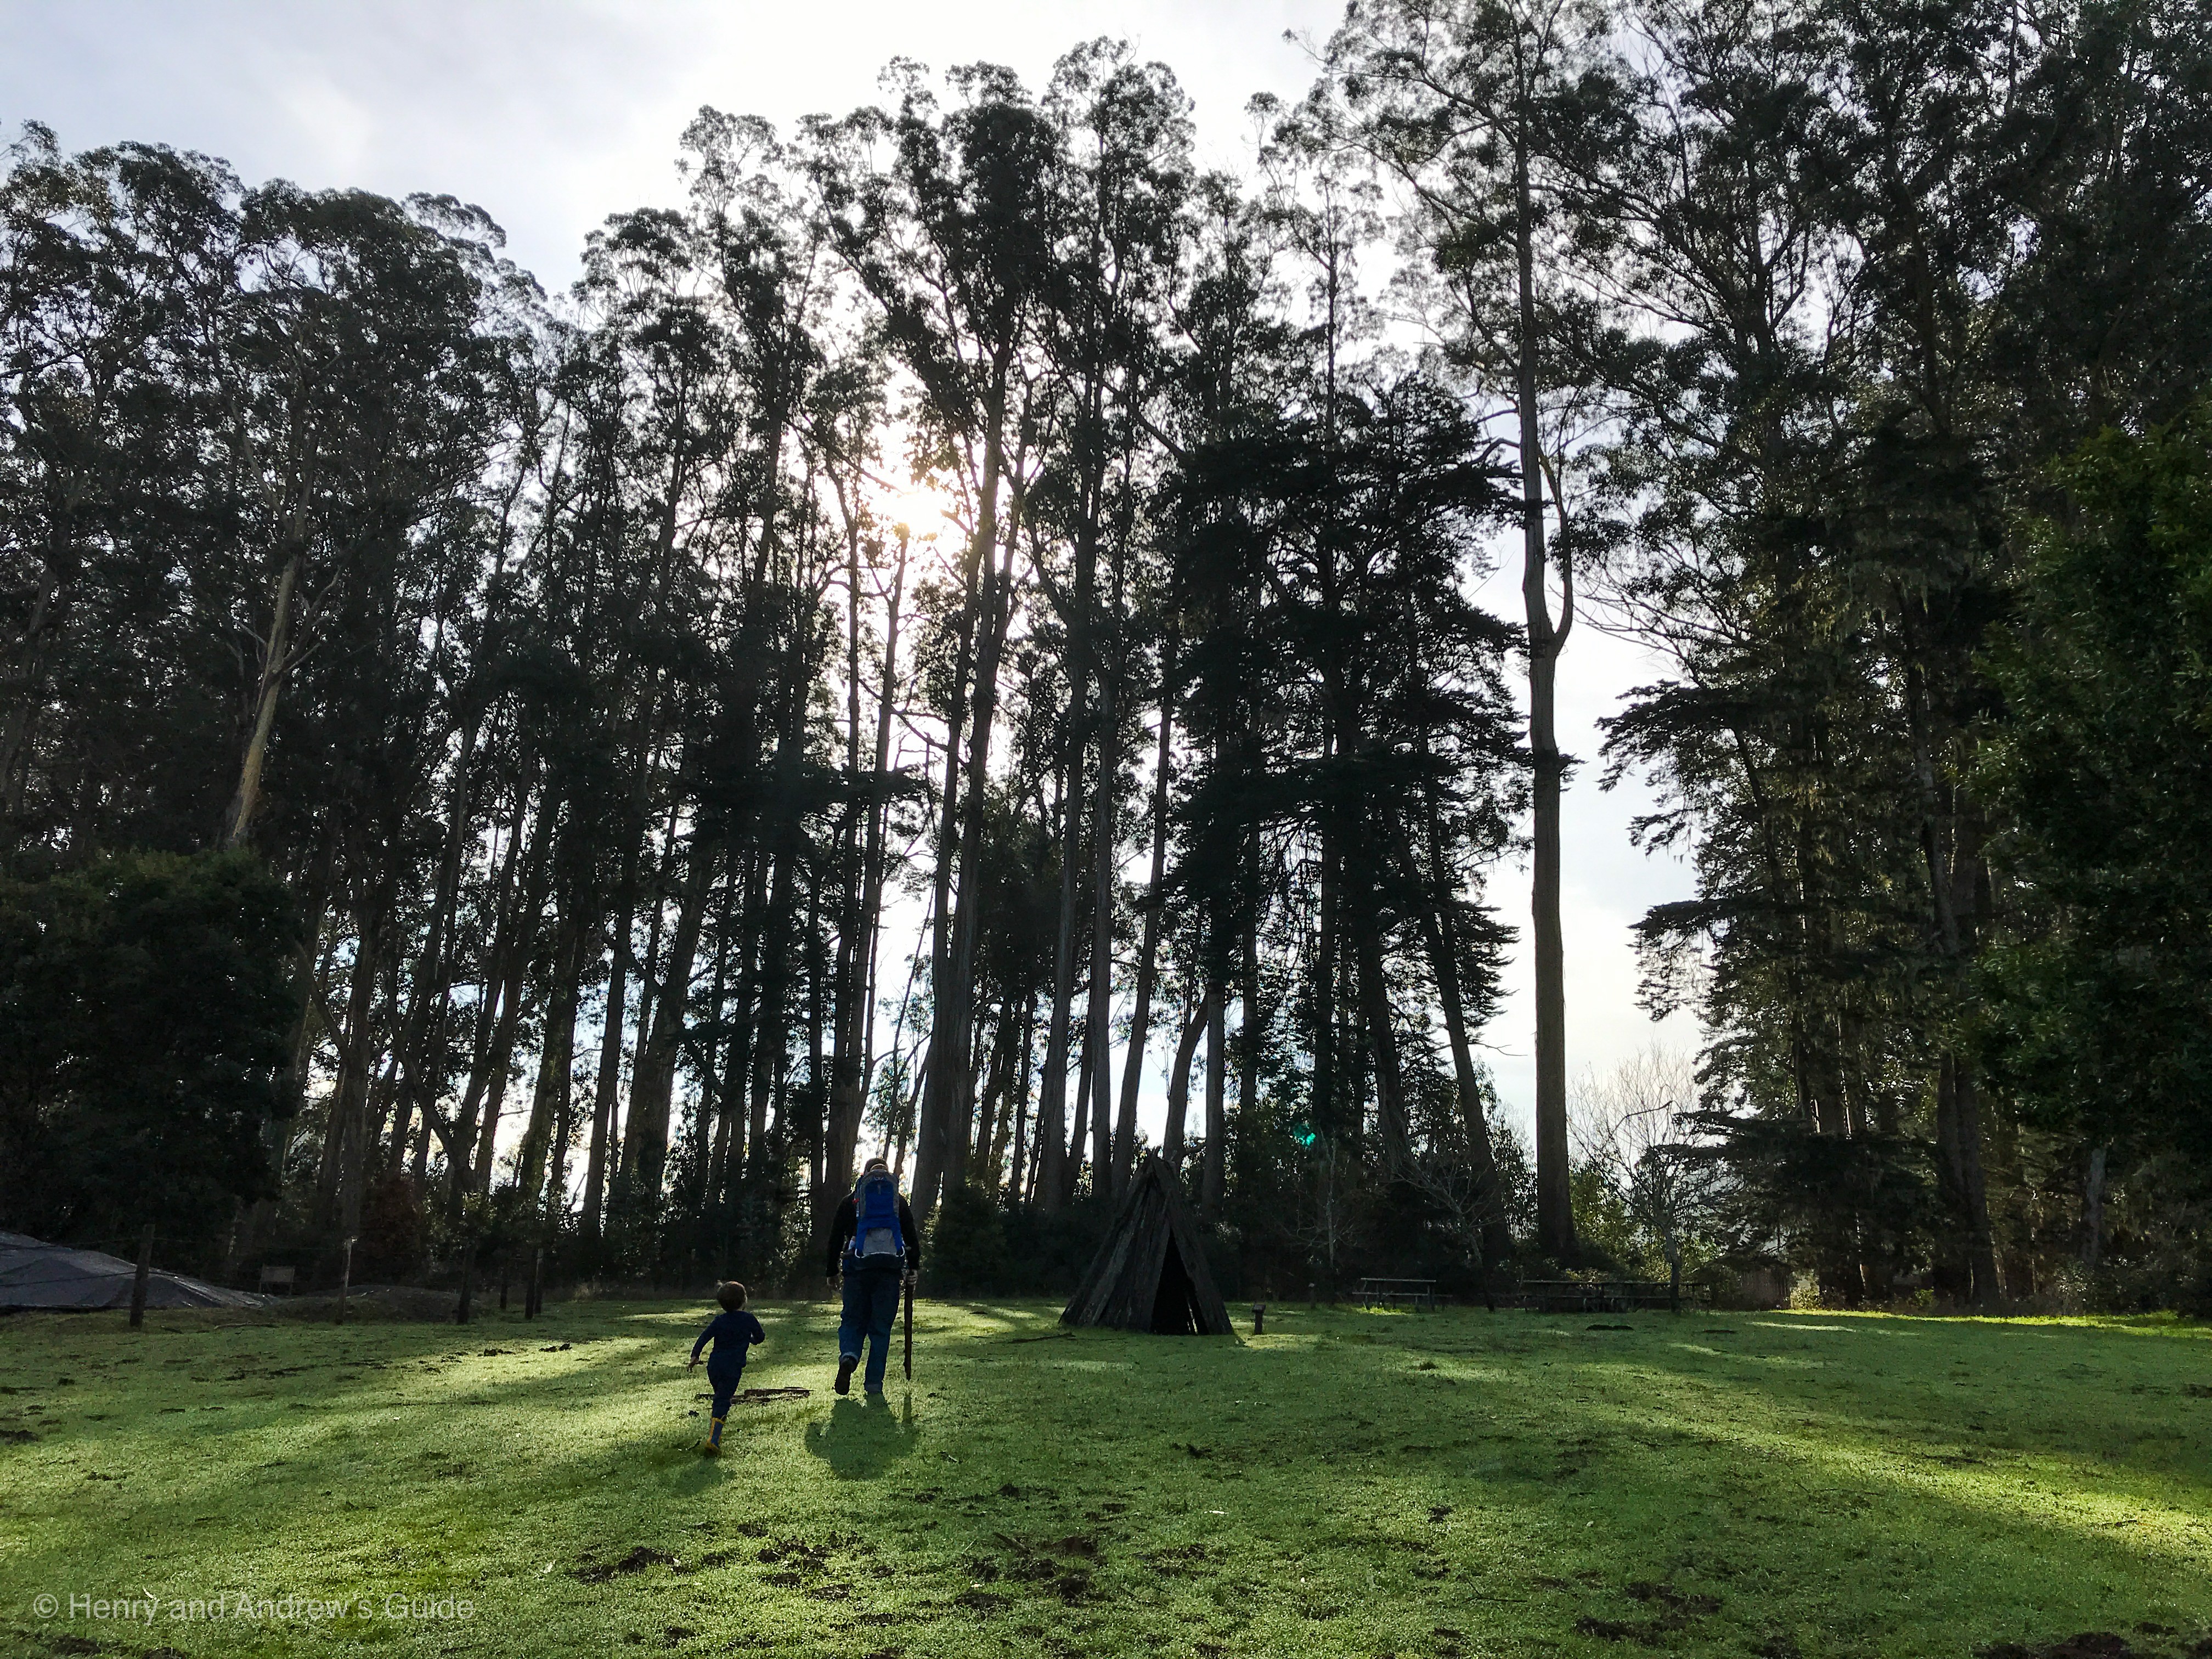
969 607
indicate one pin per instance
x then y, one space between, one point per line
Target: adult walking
877 1249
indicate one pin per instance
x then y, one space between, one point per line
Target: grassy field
1347 1485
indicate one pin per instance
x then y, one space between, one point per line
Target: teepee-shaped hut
1151 1272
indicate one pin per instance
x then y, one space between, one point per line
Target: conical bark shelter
1151 1272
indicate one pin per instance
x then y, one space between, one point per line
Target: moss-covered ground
1349 1484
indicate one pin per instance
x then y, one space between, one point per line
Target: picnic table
1397 1293
1593 1295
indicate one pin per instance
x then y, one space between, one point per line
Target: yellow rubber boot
713 1444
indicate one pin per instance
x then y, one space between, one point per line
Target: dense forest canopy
968 602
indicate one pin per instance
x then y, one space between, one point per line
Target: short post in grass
138 1282
345 1281
1259 1319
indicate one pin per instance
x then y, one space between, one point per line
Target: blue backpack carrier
876 1234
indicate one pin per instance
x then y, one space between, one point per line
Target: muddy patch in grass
1672 1610
2148 1642
597 1572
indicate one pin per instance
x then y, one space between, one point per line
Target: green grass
1348 1484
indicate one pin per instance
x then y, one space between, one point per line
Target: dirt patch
2104 1644
760 1397
597 1572
1676 1611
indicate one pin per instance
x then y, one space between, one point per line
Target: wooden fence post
139 1283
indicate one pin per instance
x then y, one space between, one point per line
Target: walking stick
910 1328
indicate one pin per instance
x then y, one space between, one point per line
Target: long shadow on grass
861 1443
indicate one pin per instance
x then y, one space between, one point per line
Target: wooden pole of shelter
535 1299
345 1282
138 1281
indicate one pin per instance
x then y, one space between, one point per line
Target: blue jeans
725 1380
872 1301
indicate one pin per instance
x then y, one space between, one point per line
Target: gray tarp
33 1274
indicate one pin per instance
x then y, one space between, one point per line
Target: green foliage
145 1015
1603 1225
2100 1004
967 1249
393 1244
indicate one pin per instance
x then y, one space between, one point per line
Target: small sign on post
139 1283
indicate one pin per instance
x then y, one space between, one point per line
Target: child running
733 1331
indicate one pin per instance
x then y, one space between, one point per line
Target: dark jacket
733 1331
847 1218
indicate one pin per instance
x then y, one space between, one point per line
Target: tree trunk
274 666
653 1079
503 967
1251 1029
941 1149
1072 1171
1555 1218
423 1032
549 1100
770 1038
1017 1105
1442 941
1959 1136
1099 1035
602 1086
1171 1136
356 1059
850 1069
1052 1096
1382 1036
1132 1071
1215 1169
2092 1212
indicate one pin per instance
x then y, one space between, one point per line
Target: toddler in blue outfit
733 1331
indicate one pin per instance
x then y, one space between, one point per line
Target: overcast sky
551 114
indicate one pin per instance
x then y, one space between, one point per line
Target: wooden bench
1397 1293
273 1278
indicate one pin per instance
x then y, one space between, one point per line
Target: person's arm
841 1231
912 1234
758 1333
703 1335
